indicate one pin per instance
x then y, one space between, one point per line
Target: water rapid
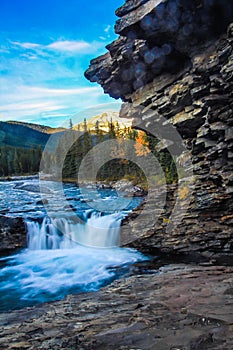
60 233
64 258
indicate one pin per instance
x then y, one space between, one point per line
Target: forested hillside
122 156
20 148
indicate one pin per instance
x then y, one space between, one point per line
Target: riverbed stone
178 307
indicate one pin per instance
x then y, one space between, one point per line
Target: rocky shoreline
181 307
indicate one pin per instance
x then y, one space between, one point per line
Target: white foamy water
60 261
63 257
60 233
36 276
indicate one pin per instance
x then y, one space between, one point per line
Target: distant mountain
38 127
25 135
17 135
29 135
104 119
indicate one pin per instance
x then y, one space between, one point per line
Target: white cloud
28 108
31 103
4 50
107 29
27 93
46 81
69 46
62 46
26 45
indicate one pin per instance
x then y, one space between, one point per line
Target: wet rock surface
13 234
181 307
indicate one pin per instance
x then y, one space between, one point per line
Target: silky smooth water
63 257
60 233
36 276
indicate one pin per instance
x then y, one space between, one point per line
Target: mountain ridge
103 120
39 127
21 136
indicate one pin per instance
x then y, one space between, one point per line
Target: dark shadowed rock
174 60
13 235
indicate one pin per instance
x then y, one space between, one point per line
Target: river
72 246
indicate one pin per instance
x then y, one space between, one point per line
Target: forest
124 157
121 164
19 161
123 149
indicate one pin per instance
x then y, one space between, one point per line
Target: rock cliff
173 61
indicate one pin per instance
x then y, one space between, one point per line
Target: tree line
19 161
121 155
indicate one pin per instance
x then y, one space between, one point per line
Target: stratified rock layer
173 61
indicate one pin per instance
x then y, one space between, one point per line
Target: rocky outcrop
157 37
13 235
182 307
173 63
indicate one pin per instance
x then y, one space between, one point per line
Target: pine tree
17 168
71 124
111 131
85 125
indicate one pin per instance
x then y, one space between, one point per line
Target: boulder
13 234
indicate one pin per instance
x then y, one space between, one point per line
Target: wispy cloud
69 46
107 29
107 33
30 46
29 108
63 46
44 82
25 93
33 103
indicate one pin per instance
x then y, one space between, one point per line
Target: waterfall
60 233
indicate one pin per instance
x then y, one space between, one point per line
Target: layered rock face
173 61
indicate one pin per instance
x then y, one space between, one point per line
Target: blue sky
45 47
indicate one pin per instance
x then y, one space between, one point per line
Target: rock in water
174 60
13 234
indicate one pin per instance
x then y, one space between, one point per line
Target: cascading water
49 269
59 233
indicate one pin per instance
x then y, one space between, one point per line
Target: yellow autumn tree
141 145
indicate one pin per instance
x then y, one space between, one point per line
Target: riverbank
19 177
181 307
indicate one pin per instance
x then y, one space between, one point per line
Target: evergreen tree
17 167
111 131
85 125
71 124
